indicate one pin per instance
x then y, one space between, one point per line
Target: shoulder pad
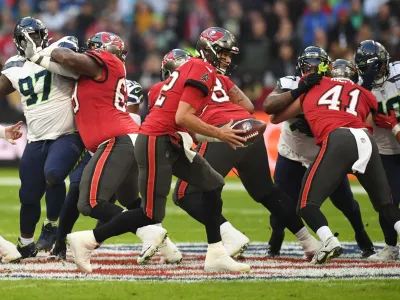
14 62
288 82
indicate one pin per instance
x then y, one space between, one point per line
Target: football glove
387 122
301 125
306 84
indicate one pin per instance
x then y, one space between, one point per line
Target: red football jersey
161 119
154 92
337 102
220 109
100 106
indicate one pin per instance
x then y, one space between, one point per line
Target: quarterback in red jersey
340 116
162 149
227 103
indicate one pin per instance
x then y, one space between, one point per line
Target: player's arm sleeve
201 77
56 68
135 92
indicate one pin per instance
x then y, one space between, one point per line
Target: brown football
254 129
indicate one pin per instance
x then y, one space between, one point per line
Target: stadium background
271 34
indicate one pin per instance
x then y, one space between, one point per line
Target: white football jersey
293 144
45 98
388 97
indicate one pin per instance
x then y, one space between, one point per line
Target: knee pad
53 177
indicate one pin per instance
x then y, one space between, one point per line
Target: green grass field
244 214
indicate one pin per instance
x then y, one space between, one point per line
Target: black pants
158 159
334 161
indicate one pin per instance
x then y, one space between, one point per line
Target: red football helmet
212 42
109 42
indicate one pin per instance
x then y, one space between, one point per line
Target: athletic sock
324 233
303 234
212 214
26 241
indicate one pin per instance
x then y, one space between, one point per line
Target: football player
297 150
229 103
106 129
163 149
383 80
54 145
340 116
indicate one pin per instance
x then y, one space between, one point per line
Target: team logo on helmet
212 35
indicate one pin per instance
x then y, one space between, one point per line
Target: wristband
396 129
2 132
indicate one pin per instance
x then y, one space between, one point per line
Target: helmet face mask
109 42
36 30
342 68
173 60
310 59
367 53
213 45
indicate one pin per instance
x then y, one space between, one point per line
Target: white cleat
152 237
170 254
218 260
8 252
331 249
310 246
82 243
388 253
234 241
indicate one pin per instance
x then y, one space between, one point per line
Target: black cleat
59 251
365 244
27 250
47 238
275 243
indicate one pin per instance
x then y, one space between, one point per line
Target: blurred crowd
271 33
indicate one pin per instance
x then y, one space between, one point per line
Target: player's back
220 109
100 106
45 98
334 103
161 119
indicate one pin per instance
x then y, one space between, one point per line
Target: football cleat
234 241
330 249
388 253
310 246
26 250
8 252
170 254
82 243
365 244
152 237
47 237
275 243
218 260
59 251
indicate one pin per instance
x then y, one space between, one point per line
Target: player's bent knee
84 208
54 177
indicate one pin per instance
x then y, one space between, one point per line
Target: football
254 129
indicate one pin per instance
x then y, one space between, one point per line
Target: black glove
369 75
306 84
301 125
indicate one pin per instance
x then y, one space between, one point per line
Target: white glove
30 49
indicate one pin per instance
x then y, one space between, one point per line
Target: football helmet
345 69
173 60
212 42
109 42
36 30
366 54
310 59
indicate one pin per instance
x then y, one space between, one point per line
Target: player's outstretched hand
13 132
311 80
29 46
387 122
230 136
